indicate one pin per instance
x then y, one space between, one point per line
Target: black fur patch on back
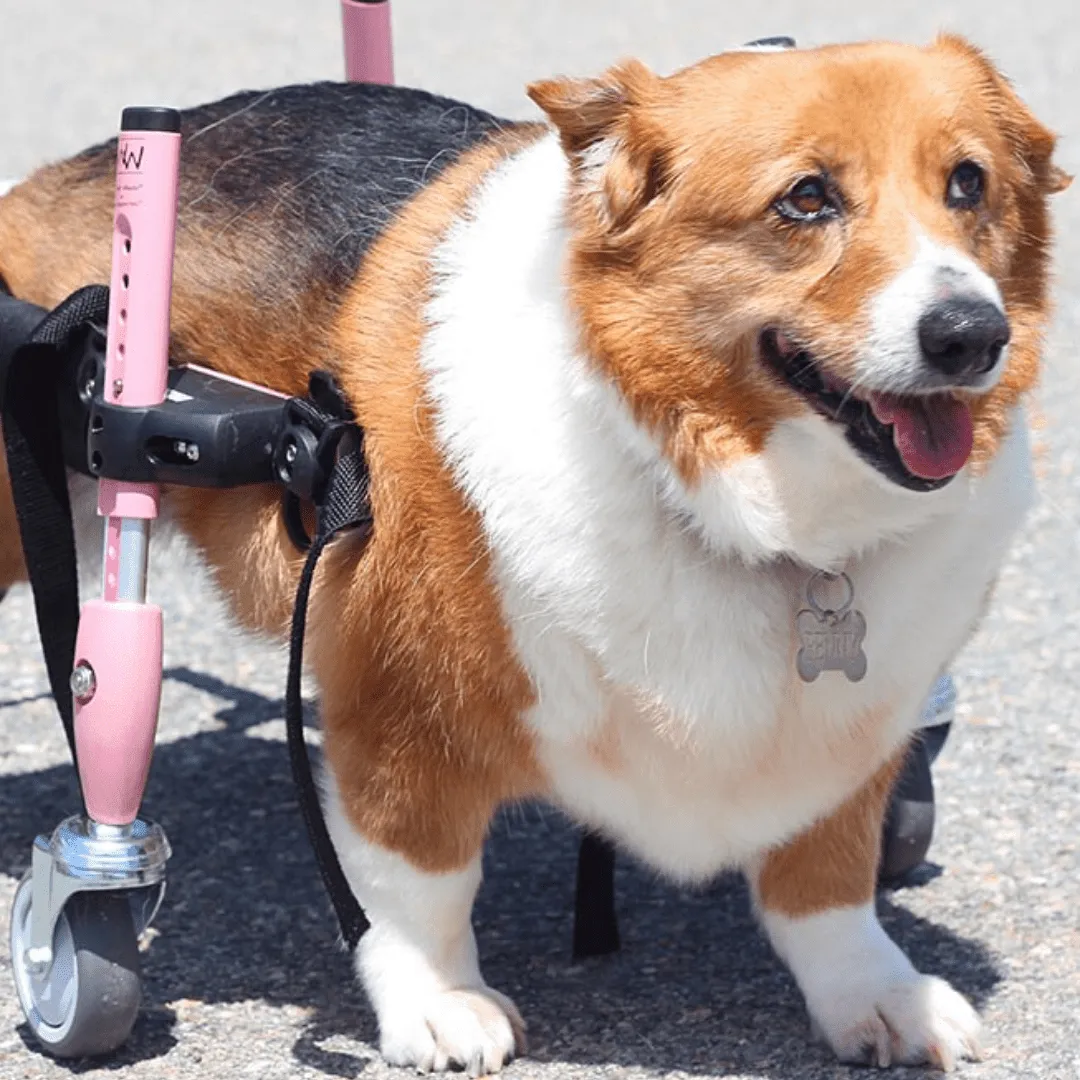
291 185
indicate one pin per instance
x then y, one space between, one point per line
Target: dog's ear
585 111
1032 142
607 137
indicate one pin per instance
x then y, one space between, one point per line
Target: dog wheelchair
88 387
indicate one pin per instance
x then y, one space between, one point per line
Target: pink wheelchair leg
95 883
117 678
369 53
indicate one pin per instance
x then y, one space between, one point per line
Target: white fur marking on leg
418 961
864 996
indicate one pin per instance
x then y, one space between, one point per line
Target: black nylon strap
18 321
34 447
596 926
89 304
345 506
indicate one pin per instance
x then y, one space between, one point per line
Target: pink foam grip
369 55
144 231
144 236
115 728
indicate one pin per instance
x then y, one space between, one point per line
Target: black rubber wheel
909 822
86 1005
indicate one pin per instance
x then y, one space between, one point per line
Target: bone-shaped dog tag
830 639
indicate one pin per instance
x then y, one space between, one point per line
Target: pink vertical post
369 54
118 656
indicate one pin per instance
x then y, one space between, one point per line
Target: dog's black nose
963 335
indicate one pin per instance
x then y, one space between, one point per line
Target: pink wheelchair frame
96 883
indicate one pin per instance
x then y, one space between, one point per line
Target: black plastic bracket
307 449
210 431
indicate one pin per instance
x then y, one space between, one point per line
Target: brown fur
834 863
422 693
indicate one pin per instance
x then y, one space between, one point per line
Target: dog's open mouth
918 441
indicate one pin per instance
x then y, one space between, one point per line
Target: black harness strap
596 925
342 505
34 444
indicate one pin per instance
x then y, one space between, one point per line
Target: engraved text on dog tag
830 640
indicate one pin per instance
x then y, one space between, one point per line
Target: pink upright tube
369 55
144 230
117 680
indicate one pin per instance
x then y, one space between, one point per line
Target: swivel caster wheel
86 1002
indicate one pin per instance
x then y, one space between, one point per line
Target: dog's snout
963 335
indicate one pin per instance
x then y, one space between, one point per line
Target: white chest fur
657 623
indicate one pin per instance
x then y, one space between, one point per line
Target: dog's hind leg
815 898
418 961
421 702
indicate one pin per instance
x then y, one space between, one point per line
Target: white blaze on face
892 359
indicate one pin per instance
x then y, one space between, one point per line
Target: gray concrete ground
243 978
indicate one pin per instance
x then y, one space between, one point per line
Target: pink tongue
933 435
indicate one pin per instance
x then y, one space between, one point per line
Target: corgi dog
695 422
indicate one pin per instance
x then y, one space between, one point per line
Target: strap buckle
318 430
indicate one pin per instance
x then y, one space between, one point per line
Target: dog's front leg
418 961
815 898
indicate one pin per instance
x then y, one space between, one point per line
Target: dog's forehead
865 99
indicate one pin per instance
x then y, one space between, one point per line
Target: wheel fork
85 856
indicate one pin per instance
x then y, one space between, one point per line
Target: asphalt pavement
243 977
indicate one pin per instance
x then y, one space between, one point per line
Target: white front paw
915 1020
864 997
477 1029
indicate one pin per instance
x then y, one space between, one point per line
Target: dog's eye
966 186
808 200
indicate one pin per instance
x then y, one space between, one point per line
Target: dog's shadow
695 988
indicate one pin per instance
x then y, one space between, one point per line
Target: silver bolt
290 453
83 682
192 451
117 387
